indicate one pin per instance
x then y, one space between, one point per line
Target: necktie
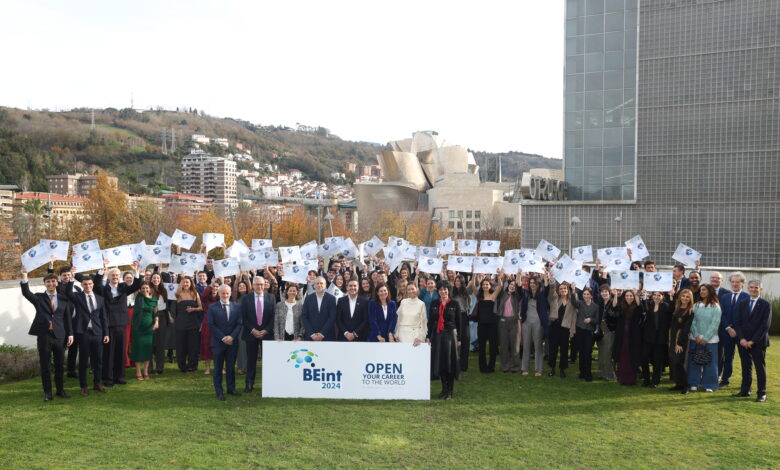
259 309
227 313
91 304
734 299
752 304
51 303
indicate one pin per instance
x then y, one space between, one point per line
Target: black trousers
573 349
253 345
158 348
187 348
754 356
90 350
654 354
447 382
48 345
465 346
73 352
114 354
487 333
558 340
583 341
224 356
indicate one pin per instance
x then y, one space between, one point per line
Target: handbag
474 315
702 356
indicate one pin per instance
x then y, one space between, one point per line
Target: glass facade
708 138
600 99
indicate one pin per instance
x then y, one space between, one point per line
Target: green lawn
495 421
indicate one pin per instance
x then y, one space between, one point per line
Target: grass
495 421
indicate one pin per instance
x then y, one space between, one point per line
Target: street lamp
572 221
329 217
618 220
430 224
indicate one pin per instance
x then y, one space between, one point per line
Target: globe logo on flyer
301 357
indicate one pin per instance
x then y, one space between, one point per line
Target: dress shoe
563 373
220 397
740 395
234 393
120 381
646 383
443 394
652 385
676 388
761 399
723 384
63 394
684 391
159 371
448 396
47 397
99 388
108 384
85 392
248 389
551 373
72 375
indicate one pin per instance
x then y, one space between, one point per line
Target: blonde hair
114 270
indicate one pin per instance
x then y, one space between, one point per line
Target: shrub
774 328
17 363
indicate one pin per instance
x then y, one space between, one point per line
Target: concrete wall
16 313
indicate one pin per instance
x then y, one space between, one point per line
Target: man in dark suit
257 313
52 326
727 343
352 315
91 327
751 323
224 319
115 294
66 275
319 314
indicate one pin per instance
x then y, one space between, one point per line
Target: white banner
583 253
430 265
84 247
625 280
487 264
308 369
467 247
226 267
213 240
489 246
463 264
686 255
372 247
88 261
290 254
182 239
660 282
547 250
638 248
119 255
261 243
309 251
445 247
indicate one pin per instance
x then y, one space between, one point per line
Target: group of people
693 330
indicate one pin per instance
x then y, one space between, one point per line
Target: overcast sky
487 75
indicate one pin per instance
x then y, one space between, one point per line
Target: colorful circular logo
301 357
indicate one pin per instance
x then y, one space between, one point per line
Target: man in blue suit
319 314
727 343
257 316
751 324
225 323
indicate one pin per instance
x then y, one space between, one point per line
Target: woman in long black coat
445 333
627 349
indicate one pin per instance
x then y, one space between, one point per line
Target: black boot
444 387
448 395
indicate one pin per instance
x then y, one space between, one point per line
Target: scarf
440 322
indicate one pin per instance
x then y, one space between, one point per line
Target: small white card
686 255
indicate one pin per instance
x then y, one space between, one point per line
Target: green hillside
128 143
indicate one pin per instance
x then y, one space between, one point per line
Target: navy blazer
116 306
727 313
381 326
753 326
357 323
99 316
542 307
59 319
322 320
220 326
249 315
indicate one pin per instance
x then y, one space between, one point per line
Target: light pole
430 225
329 217
619 220
572 221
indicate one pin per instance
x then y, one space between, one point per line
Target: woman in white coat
412 326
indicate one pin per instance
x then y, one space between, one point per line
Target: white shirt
384 311
288 319
352 306
319 301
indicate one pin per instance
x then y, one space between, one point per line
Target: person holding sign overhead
52 325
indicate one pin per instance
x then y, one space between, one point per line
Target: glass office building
685 145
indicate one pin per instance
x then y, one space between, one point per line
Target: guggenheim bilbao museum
427 174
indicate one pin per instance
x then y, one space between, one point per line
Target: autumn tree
108 217
10 262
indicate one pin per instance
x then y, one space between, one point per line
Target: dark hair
376 292
458 291
370 290
588 289
605 287
443 284
160 291
50 276
649 263
145 283
481 292
680 267
635 265
291 285
64 269
712 299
